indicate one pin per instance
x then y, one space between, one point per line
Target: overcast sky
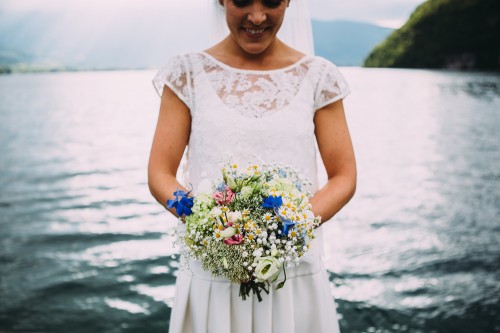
391 13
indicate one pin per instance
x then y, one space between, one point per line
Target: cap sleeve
175 75
331 87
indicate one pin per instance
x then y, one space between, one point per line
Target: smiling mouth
254 32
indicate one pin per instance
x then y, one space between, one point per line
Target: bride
253 97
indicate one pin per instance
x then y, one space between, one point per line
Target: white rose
215 212
228 232
267 268
233 217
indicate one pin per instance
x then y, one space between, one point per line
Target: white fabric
276 127
296 30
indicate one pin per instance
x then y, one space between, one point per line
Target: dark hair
221 2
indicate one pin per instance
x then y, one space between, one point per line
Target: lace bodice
248 115
253 94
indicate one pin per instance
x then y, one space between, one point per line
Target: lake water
85 248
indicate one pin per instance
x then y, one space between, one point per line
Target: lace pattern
331 87
177 76
253 94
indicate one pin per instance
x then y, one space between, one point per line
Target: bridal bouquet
249 226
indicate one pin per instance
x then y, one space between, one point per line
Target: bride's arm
170 139
335 146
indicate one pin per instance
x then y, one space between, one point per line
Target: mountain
347 43
86 40
444 34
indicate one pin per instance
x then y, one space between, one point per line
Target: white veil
296 30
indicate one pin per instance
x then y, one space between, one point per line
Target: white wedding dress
253 116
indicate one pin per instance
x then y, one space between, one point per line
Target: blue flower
221 187
182 203
287 223
282 173
272 202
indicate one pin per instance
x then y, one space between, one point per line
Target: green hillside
444 34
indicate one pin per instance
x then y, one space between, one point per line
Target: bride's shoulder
321 67
181 65
330 84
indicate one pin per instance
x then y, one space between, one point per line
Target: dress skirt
207 304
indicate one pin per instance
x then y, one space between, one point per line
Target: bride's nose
257 15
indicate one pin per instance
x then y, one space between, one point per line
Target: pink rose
225 197
234 240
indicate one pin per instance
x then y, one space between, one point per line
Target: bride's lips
254 32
